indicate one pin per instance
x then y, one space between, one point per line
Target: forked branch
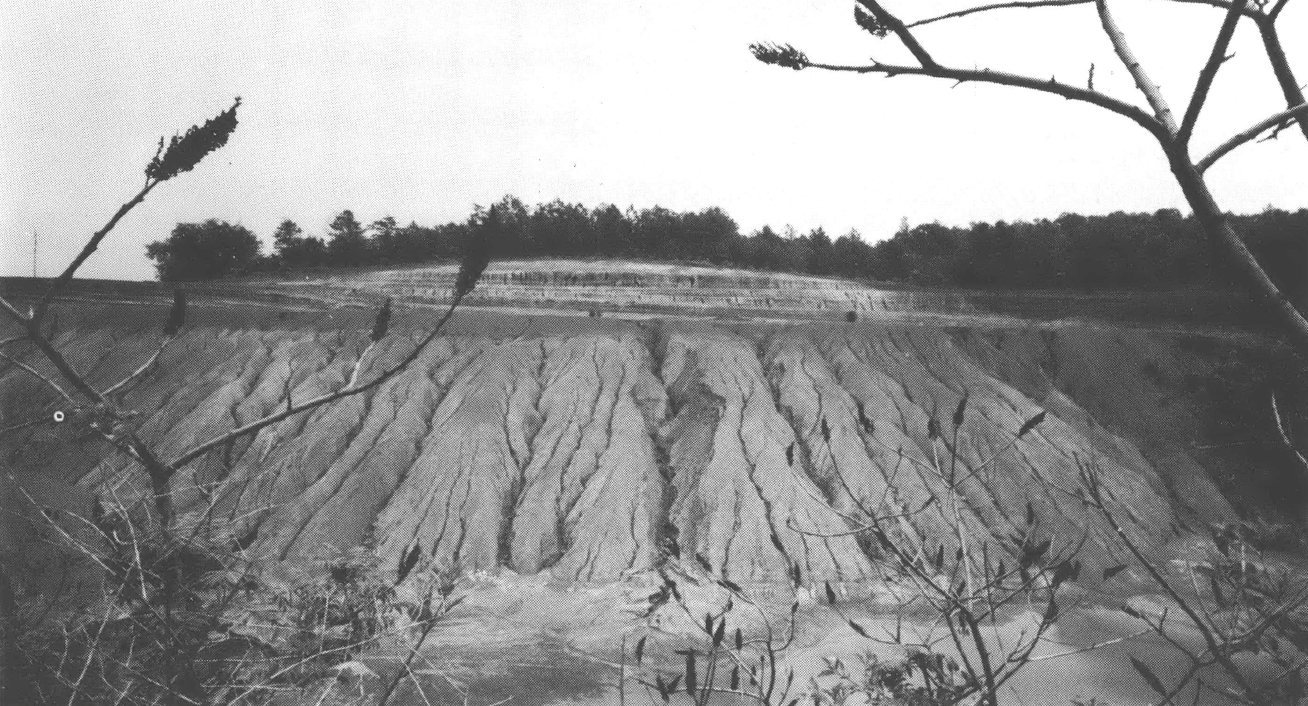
1215 60
901 31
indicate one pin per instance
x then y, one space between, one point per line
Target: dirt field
700 414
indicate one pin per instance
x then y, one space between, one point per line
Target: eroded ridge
904 377
590 454
743 503
856 450
455 504
590 503
314 504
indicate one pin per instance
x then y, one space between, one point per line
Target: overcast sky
420 110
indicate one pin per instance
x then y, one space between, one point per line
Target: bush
208 250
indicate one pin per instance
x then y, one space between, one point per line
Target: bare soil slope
595 448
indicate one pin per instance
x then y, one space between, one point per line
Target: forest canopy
1115 251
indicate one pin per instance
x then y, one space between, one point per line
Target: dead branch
1150 89
901 31
1215 60
1285 435
1297 113
352 389
140 372
1002 78
1026 4
40 376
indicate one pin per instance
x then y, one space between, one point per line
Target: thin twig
36 373
996 6
1298 112
145 368
199 450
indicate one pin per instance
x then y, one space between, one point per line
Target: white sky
419 110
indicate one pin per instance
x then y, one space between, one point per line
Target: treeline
1119 250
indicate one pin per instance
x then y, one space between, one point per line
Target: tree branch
37 374
997 6
1209 72
897 26
1281 66
1002 78
1252 13
88 249
291 411
1298 112
61 364
145 367
1146 86
1285 435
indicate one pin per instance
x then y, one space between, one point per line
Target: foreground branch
1298 113
1215 60
1002 78
290 411
1142 81
1022 4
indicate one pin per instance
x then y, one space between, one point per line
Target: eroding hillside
594 448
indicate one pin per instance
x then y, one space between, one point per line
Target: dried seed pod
186 151
383 321
177 314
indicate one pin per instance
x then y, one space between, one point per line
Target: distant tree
709 234
1171 131
385 243
766 253
822 260
293 249
613 234
287 236
348 245
559 228
208 250
512 226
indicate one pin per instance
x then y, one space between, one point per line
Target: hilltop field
582 423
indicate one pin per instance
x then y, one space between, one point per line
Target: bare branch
897 26
351 389
146 367
1281 66
1209 72
88 249
37 374
1142 81
1285 435
1252 13
997 6
13 313
61 364
1298 113
1002 78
